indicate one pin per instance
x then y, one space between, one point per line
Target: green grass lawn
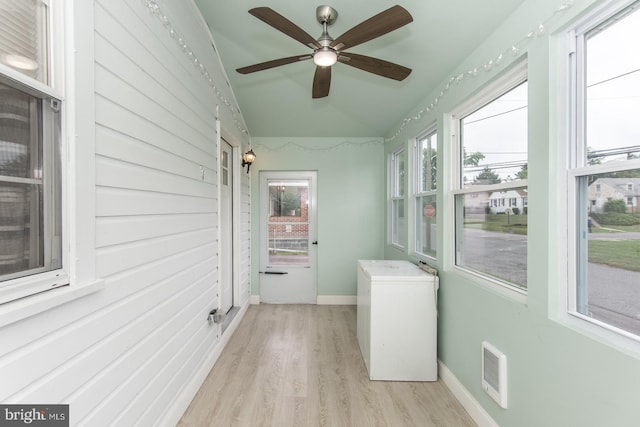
516 224
615 228
621 254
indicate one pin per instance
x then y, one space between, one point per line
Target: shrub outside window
491 197
425 194
604 178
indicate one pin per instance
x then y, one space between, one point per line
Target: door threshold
229 317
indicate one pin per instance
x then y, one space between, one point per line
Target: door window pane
288 223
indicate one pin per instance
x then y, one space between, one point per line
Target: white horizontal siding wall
135 352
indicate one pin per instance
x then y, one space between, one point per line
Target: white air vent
494 373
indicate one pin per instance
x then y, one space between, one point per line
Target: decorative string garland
491 64
515 50
155 10
290 144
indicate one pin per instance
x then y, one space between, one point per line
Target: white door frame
235 191
291 274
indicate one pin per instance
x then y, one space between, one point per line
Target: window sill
494 286
23 308
601 332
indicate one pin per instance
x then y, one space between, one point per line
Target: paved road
614 293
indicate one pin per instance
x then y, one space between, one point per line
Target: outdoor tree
473 159
523 173
487 176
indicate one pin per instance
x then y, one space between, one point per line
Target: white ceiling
277 102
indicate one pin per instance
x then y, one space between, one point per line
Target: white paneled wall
135 352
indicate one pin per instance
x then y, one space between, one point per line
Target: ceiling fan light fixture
325 57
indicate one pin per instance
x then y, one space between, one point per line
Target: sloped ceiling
277 102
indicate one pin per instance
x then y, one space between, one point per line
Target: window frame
397 197
577 168
72 81
502 84
418 194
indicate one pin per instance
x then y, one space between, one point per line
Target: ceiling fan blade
321 82
376 26
282 24
272 64
375 65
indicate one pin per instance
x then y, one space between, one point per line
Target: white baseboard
470 404
322 299
182 401
336 300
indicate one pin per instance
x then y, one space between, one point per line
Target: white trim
254 300
491 188
571 66
508 80
180 404
336 300
496 286
39 303
466 399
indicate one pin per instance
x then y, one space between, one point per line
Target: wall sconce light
248 158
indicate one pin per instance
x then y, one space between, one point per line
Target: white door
226 226
288 239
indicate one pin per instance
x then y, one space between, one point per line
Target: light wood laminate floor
300 365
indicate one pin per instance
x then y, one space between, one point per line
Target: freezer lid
392 270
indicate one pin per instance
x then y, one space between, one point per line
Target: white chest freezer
397 320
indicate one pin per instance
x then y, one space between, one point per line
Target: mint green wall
560 373
350 203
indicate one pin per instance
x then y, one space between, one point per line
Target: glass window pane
288 224
609 261
399 170
426 225
21 228
398 226
491 237
427 161
613 90
20 134
494 140
23 37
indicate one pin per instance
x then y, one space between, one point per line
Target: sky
499 130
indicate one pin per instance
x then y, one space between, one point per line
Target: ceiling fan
327 51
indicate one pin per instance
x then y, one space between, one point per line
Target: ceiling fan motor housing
326 14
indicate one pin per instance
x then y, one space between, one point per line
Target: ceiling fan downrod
325 56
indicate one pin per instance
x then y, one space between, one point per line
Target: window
604 167
30 154
398 222
24 32
491 194
425 193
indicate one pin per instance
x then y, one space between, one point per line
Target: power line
613 78
496 115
